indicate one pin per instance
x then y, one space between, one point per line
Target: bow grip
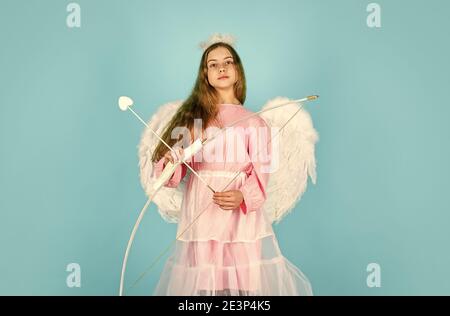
170 167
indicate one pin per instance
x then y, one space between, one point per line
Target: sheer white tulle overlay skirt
213 267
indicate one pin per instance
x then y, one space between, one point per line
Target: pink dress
223 252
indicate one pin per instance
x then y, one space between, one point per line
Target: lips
223 77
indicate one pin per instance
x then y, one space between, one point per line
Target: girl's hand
170 156
228 200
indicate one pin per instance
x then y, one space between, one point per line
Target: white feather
168 200
296 158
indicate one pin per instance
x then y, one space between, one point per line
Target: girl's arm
177 176
260 153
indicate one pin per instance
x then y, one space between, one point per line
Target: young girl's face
221 69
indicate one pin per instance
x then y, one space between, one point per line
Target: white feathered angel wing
167 199
296 159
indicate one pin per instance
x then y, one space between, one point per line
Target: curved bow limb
124 104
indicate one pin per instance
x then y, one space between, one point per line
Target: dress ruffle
214 267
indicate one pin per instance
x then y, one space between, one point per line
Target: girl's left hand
228 200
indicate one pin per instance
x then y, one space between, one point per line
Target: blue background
69 181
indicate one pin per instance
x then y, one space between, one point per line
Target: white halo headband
216 38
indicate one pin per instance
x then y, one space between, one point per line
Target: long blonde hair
202 102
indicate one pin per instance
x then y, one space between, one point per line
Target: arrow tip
125 102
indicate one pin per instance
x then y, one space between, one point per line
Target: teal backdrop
70 190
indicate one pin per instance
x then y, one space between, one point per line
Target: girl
225 245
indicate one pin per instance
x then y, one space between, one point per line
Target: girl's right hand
171 156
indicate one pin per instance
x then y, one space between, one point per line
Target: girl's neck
228 98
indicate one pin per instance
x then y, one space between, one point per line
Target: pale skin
220 63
